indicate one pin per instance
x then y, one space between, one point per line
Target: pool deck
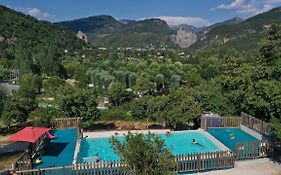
250 167
101 134
251 132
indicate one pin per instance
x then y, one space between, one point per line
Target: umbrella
29 134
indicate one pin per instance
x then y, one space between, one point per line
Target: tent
29 134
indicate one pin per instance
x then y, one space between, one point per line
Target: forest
170 86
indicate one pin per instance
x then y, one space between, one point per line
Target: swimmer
195 142
97 157
168 133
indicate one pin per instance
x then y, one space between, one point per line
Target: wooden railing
23 163
255 124
252 150
222 122
231 122
184 163
204 161
62 123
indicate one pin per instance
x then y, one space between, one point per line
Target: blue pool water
60 151
179 142
230 136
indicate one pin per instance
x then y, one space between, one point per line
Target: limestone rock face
185 38
82 36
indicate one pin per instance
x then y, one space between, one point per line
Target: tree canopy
144 154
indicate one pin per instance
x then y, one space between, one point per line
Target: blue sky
194 12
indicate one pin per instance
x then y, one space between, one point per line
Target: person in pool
195 142
97 157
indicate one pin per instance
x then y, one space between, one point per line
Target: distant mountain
141 34
186 35
234 20
203 30
109 32
91 24
242 35
127 21
184 27
233 33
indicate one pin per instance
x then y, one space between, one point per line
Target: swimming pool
60 151
230 136
179 142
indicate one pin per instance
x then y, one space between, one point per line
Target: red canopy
29 134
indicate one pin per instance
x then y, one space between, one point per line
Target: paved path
250 167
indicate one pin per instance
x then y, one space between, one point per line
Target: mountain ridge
243 35
184 35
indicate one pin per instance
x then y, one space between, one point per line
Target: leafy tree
80 104
156 108
117 94
144 85
30 85
81 77
121 77
209 71
144 154
159 80
181 108
175 81
114 114
48 61
2 100
132 79
43 116
270 47
16 109
139 108
211 98
3 72
52 83
276 127
264 99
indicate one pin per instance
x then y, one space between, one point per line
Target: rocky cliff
184 38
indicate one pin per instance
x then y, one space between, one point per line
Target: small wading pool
60 151
230 136
179 142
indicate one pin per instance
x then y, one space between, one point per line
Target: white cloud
234 5
176 20
35 12
252 7
274 1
